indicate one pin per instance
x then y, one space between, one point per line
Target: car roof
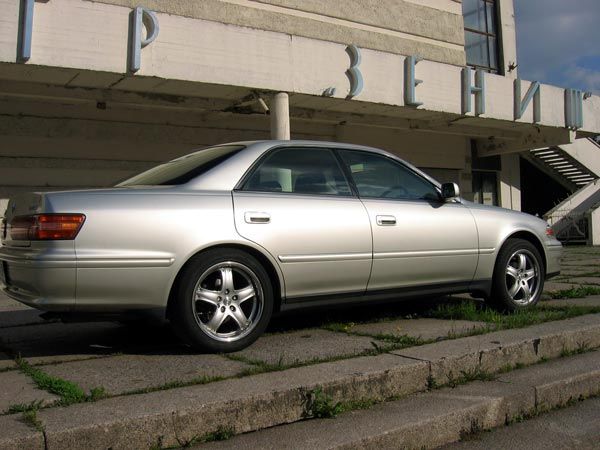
227 174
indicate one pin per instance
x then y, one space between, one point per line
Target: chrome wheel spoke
522 261
529 274
216 320
511 271
245 294
514 289
227 278
526 292
238 315
208 296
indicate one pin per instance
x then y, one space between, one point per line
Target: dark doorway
539 192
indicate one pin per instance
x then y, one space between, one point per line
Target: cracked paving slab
18 388
304 346
425 329
127 373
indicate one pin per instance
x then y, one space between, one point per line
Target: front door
418 239
297 205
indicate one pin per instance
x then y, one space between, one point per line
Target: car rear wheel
518 278
224 301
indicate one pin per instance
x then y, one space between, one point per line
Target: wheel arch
274 275
532 239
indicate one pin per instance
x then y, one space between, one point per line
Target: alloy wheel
522 277
227 301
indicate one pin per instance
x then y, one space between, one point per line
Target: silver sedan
218 240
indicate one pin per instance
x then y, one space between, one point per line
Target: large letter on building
354 74
573 109
532 93
478 90
138 16
410 82
25 30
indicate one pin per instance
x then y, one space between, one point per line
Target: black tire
218 327
518 279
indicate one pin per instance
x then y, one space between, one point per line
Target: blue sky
558 42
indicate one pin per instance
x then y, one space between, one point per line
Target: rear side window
299 171
184 169
377 176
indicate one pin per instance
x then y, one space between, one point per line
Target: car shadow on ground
24 334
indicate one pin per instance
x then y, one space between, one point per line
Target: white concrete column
280 117
510 182
509 36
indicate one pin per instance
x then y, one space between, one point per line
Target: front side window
299 171
377 176
481 35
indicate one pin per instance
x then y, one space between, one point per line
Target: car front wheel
224 301
518 278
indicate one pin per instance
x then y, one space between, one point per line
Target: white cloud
586 78
553 36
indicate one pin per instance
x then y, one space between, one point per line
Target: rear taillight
43 227
549 231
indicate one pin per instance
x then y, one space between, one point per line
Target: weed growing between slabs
68 392
575 292
469 310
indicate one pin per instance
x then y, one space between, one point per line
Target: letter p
140 17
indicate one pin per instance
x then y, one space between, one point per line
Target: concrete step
438 417
176 416
576 426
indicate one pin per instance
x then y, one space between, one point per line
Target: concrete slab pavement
590 281
60 342
6 362
424 329
128 373
16 434
431 419
306 345
17 388
176 416
577 426
593 300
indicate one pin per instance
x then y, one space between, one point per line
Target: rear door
297 204
418 239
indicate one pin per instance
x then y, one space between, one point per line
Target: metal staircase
563 167
576 167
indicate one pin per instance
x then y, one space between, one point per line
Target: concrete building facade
94 91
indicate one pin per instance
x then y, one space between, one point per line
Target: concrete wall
430 28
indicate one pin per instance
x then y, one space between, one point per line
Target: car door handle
386 221
257 217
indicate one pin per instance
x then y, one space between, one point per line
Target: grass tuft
68 392
220 434
321 405
472 311
575 292
30 418
467 376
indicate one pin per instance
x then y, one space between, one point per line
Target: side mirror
450 191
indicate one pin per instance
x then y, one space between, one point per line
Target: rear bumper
43 278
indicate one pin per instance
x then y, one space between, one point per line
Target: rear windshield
184 169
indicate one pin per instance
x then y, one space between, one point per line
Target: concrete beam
545 137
